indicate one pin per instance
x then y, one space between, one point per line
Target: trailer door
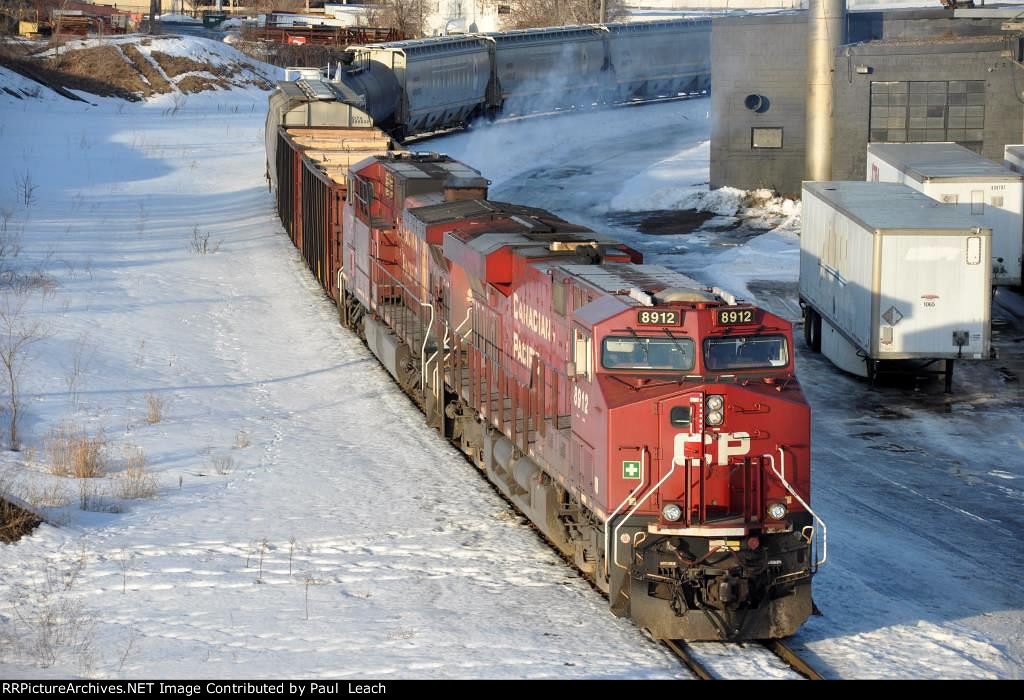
934 295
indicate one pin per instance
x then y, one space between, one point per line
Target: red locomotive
652 429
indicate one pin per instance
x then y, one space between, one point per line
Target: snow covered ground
306 523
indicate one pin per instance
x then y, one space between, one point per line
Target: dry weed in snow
94 497
155 406
48 619
71 451
200 243
135 482
223 464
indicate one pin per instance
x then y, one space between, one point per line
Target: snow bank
179 19
16 88
237 22
680 182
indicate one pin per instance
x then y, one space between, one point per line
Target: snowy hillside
305 522
134 67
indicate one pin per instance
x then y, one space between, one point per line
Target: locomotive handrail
782 477
423 349
637 506
640 485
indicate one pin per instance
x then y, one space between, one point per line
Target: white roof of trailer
949 162
892 206
1016 150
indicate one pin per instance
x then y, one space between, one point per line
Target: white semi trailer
888 274
988 192
1013 157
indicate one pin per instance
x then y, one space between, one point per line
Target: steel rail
795 662
775 646
680 649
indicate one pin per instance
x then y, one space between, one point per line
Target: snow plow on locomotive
653 430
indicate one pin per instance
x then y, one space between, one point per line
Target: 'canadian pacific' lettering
531 318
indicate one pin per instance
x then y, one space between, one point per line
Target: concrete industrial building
901 75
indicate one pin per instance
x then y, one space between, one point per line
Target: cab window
636 352
679 416
742 352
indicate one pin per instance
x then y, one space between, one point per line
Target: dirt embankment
133 70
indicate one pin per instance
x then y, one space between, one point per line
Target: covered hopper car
653 430
425 85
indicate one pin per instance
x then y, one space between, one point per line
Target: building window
766 137
978 202
923 111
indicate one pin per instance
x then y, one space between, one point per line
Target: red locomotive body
652 429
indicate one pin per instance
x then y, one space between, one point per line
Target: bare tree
407 16
372 16
18 333
268 6
558 13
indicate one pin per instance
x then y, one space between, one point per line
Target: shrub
73 452
135 482
155 406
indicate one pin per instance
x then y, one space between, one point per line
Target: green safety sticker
631 470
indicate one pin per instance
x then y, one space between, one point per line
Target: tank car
652 429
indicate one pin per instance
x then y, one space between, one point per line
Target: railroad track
696 666
795 662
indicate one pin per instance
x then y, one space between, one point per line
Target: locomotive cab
707 538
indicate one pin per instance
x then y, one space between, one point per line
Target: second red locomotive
652 429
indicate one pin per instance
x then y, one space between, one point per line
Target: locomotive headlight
671 512
777 511
714 418
715 403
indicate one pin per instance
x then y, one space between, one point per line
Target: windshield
638 352
745 352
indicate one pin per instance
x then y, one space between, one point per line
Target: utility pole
825 34
154 11
603 17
